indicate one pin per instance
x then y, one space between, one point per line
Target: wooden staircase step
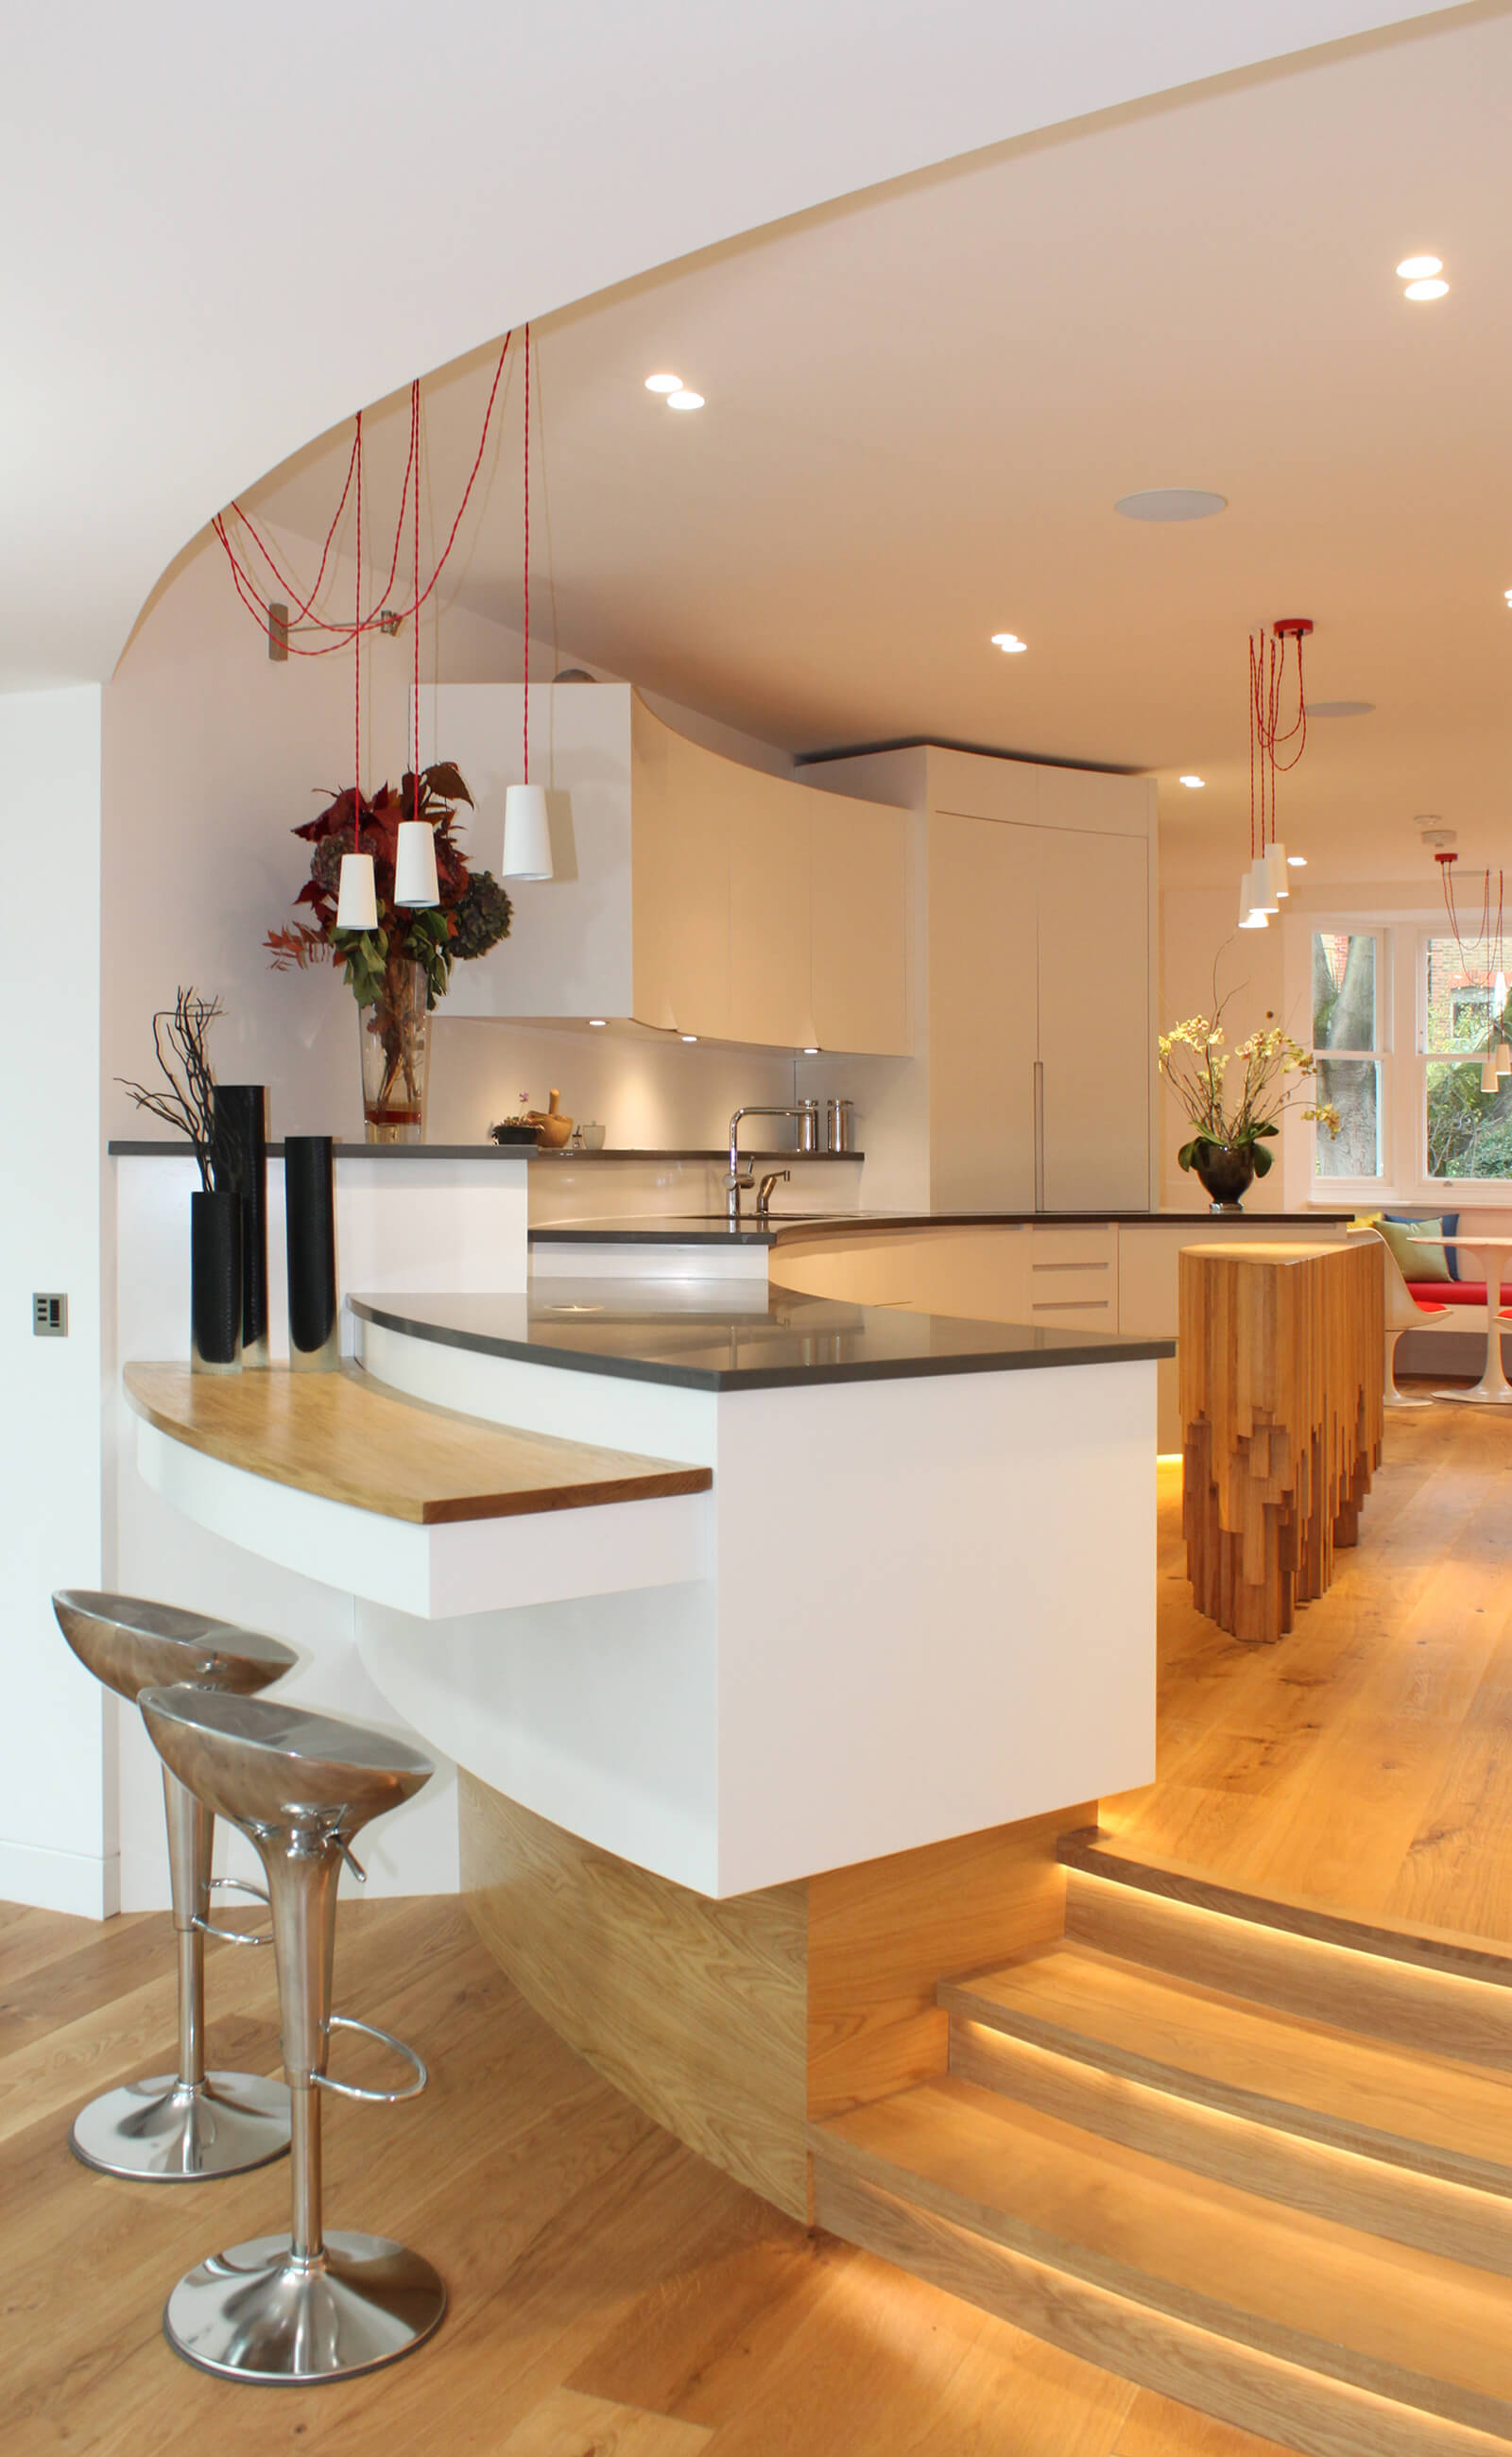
1429 2010
1448 1950
1434 2115
1428 2335
1367 2193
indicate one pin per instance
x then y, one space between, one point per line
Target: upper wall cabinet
689 893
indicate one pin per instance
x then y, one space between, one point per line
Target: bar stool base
256 2313
164 2131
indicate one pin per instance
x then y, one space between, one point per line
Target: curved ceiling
922 405
227 229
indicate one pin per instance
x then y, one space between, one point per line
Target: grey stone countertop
713 1229
712 1336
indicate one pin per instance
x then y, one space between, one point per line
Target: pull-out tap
734 1185
773 1177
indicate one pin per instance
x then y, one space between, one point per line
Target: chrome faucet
773 1177
734 1185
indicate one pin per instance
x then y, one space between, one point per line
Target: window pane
1353 1087
1343 994
1459 997
1469 1131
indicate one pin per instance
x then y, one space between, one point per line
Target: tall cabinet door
983 969
1094 1025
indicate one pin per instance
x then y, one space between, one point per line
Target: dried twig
188 1105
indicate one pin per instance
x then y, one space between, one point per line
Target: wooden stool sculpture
1280 1352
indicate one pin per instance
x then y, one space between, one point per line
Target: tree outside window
1345 1007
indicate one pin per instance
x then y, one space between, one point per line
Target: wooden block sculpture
1282 1412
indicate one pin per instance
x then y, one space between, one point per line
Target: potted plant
1236 1113
397 970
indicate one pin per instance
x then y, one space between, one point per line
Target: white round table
1493 1388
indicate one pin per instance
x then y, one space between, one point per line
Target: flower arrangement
471 915
1237 1112
397 970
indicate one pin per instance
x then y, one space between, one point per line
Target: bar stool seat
182 2127
307 2305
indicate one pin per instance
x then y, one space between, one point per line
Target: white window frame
1466 1190
1332 1189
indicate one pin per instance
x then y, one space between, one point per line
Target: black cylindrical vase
215 1282
309 1202
241 1163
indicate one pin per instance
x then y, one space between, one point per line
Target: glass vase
394 1038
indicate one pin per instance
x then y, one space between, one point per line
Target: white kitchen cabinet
1039 1012
690 892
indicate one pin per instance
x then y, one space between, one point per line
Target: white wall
1196 926
56 1809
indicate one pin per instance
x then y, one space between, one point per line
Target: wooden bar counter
1280 1351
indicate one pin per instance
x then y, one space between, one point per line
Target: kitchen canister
840 1121
309 1204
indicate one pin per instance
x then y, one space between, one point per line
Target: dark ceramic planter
241 1163
1227 1171
309 1202
215 1282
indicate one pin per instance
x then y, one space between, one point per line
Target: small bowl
592 1137
514 1130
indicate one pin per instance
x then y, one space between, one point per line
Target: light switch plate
49 1317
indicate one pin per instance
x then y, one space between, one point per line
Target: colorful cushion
1447 1224
1415 1263
1448 1292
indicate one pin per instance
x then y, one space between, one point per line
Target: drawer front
1053 1248
1081 1313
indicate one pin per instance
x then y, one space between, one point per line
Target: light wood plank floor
612 2295
1366 1758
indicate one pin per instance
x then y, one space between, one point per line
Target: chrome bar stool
304 2306
178 2128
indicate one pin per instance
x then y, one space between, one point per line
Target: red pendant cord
527 554
256 604
414 421
357 661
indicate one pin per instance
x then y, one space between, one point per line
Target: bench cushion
1439 1294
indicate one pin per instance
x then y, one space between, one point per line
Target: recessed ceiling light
598 1022
1196 783
1010 643
1418 268
1341 707
1507 594
1171 504
1297 862
685 399
664 384
1426 290
690 1035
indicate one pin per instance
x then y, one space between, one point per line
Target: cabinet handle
1039 1134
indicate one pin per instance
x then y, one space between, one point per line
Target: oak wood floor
1365 1760
613 2296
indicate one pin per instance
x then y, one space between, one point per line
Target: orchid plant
1235 1097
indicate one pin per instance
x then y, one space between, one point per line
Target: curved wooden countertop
348 1438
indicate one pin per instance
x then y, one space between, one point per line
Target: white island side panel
936 1609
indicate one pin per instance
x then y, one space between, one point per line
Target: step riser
1319 2417
1442 2217
1355 1992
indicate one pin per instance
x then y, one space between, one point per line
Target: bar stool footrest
236 1936
385 2038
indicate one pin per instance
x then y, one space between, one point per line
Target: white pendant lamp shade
415 864
526 835
1490 1079
1261 887
1276 871
1253 900
1504 1058
357 897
